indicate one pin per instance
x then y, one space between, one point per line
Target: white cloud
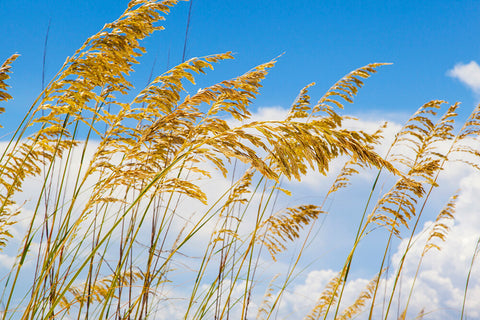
270 113
6 261
440 285
468 74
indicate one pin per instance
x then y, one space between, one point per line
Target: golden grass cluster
105 238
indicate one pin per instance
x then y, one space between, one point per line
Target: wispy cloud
469 74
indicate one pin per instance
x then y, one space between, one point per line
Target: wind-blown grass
109 235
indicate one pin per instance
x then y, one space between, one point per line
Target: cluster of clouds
440 285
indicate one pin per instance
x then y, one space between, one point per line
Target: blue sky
431 44
322 41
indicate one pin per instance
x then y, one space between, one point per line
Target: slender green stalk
474 256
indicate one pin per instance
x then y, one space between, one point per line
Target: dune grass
112 233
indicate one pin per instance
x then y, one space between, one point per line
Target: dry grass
109 235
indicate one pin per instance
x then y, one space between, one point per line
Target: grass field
165 204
